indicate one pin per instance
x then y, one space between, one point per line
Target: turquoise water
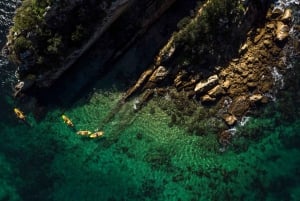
142 158
143 154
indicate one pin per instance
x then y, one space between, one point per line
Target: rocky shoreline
233 89
230 85
41 79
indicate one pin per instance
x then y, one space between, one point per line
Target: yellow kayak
84 133
67 120
20 114
97 134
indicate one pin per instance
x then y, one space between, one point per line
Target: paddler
20 114
97 134
84 132
67 120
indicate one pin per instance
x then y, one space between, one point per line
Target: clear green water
142 158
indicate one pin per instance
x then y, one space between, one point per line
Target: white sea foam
135 103
270 96
278 78
232 131
244 120
282 4
167 97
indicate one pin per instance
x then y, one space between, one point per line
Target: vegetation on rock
206 37
47 31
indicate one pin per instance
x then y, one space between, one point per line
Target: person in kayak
67 120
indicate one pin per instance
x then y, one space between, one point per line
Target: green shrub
200 37
78 34
54 44
21 44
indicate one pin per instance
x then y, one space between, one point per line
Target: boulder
24 85
256 98
216 91
267 43
282 31
259 36
204 86
243 49
207 99
226 84
287 16
229 119
276 12
252 84
270 26
264 100
158 75
239 106
178 79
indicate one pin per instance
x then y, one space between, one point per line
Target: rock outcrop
204 86
246 80
144 14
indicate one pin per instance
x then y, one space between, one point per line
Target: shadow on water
100 68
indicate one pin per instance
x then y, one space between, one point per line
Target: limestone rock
265 86
252 84
282 31
243 49
250 59
271 26
206 99
276 12
239 106
178 79
230 119
267 43
264 100
216 91
259 36
226 84
158 75
206 85
287 16
256 97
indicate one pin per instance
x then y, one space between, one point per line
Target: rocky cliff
46 45
225 55
228 64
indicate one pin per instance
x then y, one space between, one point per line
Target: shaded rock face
118 36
